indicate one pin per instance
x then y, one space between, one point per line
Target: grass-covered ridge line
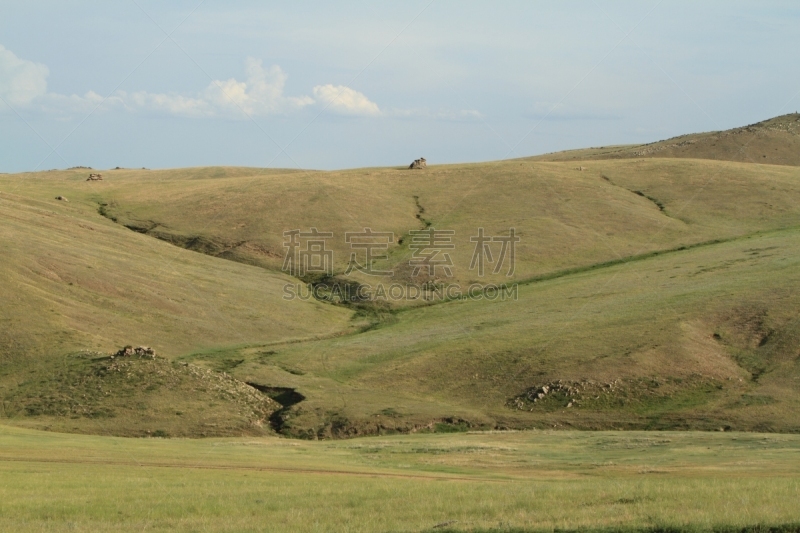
773 142
668 282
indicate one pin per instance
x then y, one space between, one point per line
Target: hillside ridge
773 141
648 292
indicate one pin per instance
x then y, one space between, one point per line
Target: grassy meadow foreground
525 481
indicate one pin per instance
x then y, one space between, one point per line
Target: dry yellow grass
628 270
775 141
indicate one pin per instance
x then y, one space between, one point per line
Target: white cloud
261 94
171 104
344 100
23 84
21 81
66 106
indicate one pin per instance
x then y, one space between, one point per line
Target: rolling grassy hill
565 218
774 142
73 283
652 293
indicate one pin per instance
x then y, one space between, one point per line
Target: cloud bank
21 81
23 85
260 94
346 101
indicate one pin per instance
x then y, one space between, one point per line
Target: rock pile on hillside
418 163
142 352
568 391
592 394
140 396
95 177
227 388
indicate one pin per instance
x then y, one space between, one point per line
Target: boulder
418 163
140 351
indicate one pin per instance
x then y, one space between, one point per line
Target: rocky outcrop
95 177
418 163
142 352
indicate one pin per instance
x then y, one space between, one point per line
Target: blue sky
307 84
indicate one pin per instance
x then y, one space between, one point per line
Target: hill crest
775 141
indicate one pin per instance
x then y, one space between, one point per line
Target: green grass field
527 481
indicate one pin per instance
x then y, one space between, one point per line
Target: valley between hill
658 291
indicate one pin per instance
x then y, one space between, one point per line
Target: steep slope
773 142
72 281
